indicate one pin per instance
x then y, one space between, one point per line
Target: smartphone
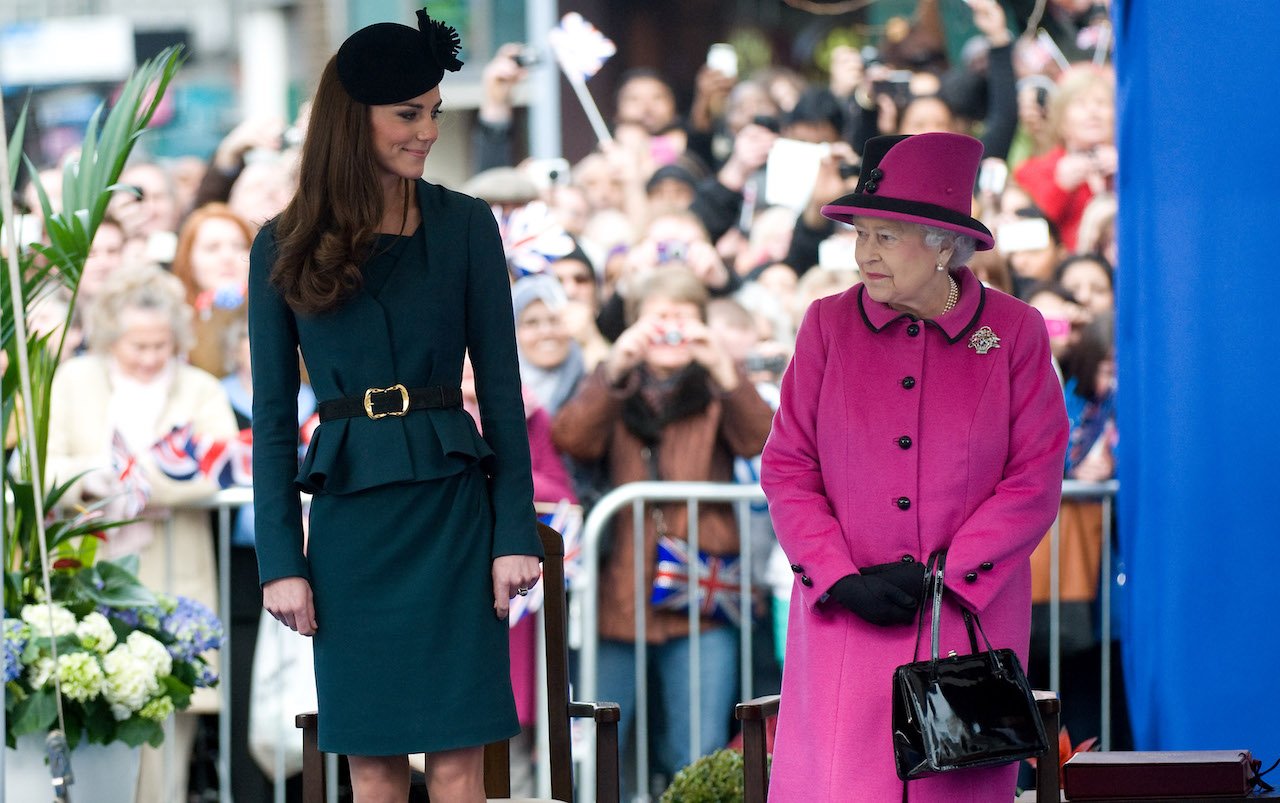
837 253
1058 327
1023 235
992 176
722 58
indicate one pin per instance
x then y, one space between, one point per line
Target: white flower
37 616
95 633
131 680
150 650
40 672
81 677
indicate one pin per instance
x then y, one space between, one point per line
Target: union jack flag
183 454
136 488
718 577
566 519
579 46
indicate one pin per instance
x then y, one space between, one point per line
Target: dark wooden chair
754 714
560 709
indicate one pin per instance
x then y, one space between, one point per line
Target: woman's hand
288 599
511 573
709 355
630 349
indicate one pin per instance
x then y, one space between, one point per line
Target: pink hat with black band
919 178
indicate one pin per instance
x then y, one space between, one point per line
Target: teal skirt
409 656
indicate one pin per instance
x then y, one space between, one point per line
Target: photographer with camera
668 403
672 238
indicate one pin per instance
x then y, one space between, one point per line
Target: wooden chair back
497 774
754 714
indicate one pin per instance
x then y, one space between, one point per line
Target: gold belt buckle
404 401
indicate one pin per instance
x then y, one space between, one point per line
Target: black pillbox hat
387 62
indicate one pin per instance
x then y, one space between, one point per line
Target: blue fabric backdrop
1199 350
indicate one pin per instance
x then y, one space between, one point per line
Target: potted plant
714 778
126 658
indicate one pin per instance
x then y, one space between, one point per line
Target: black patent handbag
961 711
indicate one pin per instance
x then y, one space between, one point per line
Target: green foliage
44 269
714 778
79 584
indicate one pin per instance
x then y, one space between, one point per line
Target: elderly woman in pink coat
921 412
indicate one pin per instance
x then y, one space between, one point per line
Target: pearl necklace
953 295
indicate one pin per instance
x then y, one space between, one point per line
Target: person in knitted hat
920 413
421 530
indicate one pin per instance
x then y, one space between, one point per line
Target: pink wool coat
900 437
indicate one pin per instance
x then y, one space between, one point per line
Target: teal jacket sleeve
273 344
491 341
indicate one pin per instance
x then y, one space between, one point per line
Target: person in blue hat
421 530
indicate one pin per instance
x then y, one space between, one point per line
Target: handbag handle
936 572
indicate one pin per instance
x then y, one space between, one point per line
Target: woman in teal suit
421 531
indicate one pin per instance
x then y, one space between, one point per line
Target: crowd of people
658 285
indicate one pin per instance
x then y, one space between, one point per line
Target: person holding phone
668 403
421 530
920 412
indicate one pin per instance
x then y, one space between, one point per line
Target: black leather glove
875 599
906 575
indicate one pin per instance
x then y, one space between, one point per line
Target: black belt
396 400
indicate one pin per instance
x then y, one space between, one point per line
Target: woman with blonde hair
1083 164
132 389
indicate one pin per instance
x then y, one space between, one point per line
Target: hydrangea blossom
39 672
81 676
95 633
157 710
151 651
195 629
15 641
131 680
207 677
38 617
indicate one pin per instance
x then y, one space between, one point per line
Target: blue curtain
1199 360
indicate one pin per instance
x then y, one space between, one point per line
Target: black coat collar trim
952 339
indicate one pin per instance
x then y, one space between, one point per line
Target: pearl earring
941 267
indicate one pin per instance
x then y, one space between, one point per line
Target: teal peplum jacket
413 329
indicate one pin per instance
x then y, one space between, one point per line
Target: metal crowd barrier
584 609
637 494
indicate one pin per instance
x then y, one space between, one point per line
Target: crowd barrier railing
584 607
638 494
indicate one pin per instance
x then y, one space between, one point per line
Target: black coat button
913 329
905 442
971 577
987 566
908 559
904 503
805 581
870 187
876 174
797 568
908 382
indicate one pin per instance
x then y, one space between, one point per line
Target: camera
850 170
670 336
671 251
760 363
767 121
897 87
528 56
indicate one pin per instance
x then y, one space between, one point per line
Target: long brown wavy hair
330 226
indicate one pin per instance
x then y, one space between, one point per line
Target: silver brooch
984 340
